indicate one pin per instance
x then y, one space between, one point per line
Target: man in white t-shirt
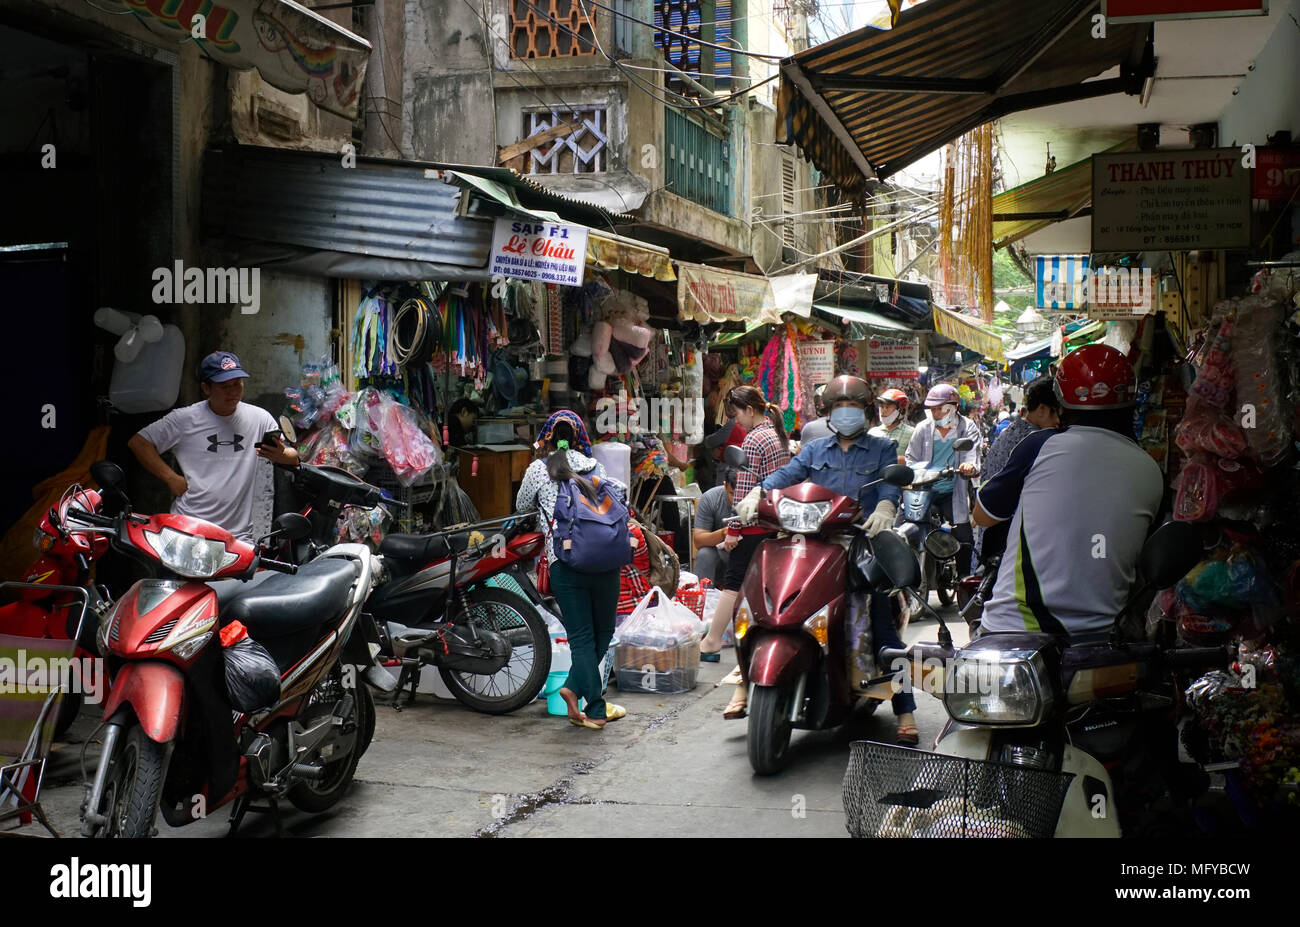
217 442
1081 502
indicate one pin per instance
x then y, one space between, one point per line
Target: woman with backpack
768 449
584 515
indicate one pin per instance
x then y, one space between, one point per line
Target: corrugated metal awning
305 211
1057 196
876 100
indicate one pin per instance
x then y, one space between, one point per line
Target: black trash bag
252 678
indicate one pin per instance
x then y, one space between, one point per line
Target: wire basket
900 792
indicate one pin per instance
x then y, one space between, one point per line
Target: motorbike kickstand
244 804
237 812
410 675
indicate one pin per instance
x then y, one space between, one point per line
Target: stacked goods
658 647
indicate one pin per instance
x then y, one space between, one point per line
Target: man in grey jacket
932 444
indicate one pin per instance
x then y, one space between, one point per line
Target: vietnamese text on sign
550 252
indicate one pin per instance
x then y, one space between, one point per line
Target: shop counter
493 486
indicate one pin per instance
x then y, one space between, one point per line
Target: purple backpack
590 536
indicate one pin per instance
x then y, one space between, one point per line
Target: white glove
881 519
747 507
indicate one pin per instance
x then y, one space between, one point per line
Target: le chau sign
549 252
1170 200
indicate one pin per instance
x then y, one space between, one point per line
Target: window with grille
569 31
694 22
580 152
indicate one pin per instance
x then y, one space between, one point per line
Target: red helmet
896 396
1095 377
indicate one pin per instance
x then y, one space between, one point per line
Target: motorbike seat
285 604
424 547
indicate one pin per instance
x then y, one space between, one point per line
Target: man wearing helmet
1080 502
892 406
934 442
844 463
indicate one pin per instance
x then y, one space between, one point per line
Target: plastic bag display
658 647
1207 428
367 442
1216 378
408 450
252 677
1258 387
331 447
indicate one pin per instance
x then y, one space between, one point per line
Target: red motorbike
57 612
790 618
169 741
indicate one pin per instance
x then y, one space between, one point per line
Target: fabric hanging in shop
705 294
294 49
966 330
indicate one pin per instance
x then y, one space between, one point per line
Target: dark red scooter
790 617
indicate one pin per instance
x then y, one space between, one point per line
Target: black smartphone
270 438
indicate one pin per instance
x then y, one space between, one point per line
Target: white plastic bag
659 622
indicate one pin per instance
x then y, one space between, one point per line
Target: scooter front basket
900 792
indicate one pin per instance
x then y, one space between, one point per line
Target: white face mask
890 418
949 416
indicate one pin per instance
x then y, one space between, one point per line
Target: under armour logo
213 443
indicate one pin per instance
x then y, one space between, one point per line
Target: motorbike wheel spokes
521 679
134 786
769 728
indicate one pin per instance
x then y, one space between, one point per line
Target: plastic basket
900 792
693 597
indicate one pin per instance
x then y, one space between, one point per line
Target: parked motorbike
790 618
433 604
58 610
1046 736
929 534
169 742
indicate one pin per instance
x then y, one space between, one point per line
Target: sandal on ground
586 722
908 735
737 708
614 712
710 656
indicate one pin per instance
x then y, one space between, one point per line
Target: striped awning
1060 195
967 331
874 101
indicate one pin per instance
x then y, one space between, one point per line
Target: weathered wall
448 108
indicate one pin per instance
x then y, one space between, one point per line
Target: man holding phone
217 442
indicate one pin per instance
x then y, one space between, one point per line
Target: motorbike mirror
963 444
897 475
292 526
897 560
1170 552
287 429
107 474
735 457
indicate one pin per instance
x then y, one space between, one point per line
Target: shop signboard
530 249
1141 11
1277 173
706 294
817 361
1170 200
892 359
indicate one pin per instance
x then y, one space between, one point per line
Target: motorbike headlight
801 516
942 545
188 554
998 687
744 616
819 626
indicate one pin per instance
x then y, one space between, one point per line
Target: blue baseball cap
220 366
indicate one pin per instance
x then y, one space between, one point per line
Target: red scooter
169 741
790 617
66 553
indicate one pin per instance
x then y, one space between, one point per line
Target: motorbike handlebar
278 566
90 518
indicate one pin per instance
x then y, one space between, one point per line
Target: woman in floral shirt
768 449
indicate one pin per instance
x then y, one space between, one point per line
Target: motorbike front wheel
769 728
135 780
518 682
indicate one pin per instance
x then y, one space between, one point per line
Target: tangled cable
421 339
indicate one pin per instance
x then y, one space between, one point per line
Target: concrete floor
672 767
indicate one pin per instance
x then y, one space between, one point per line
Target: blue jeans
588 607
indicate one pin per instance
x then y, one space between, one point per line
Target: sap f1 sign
1141 11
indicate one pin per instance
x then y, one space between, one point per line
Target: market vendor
461 416
710 530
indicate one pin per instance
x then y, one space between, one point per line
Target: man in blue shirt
844 463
